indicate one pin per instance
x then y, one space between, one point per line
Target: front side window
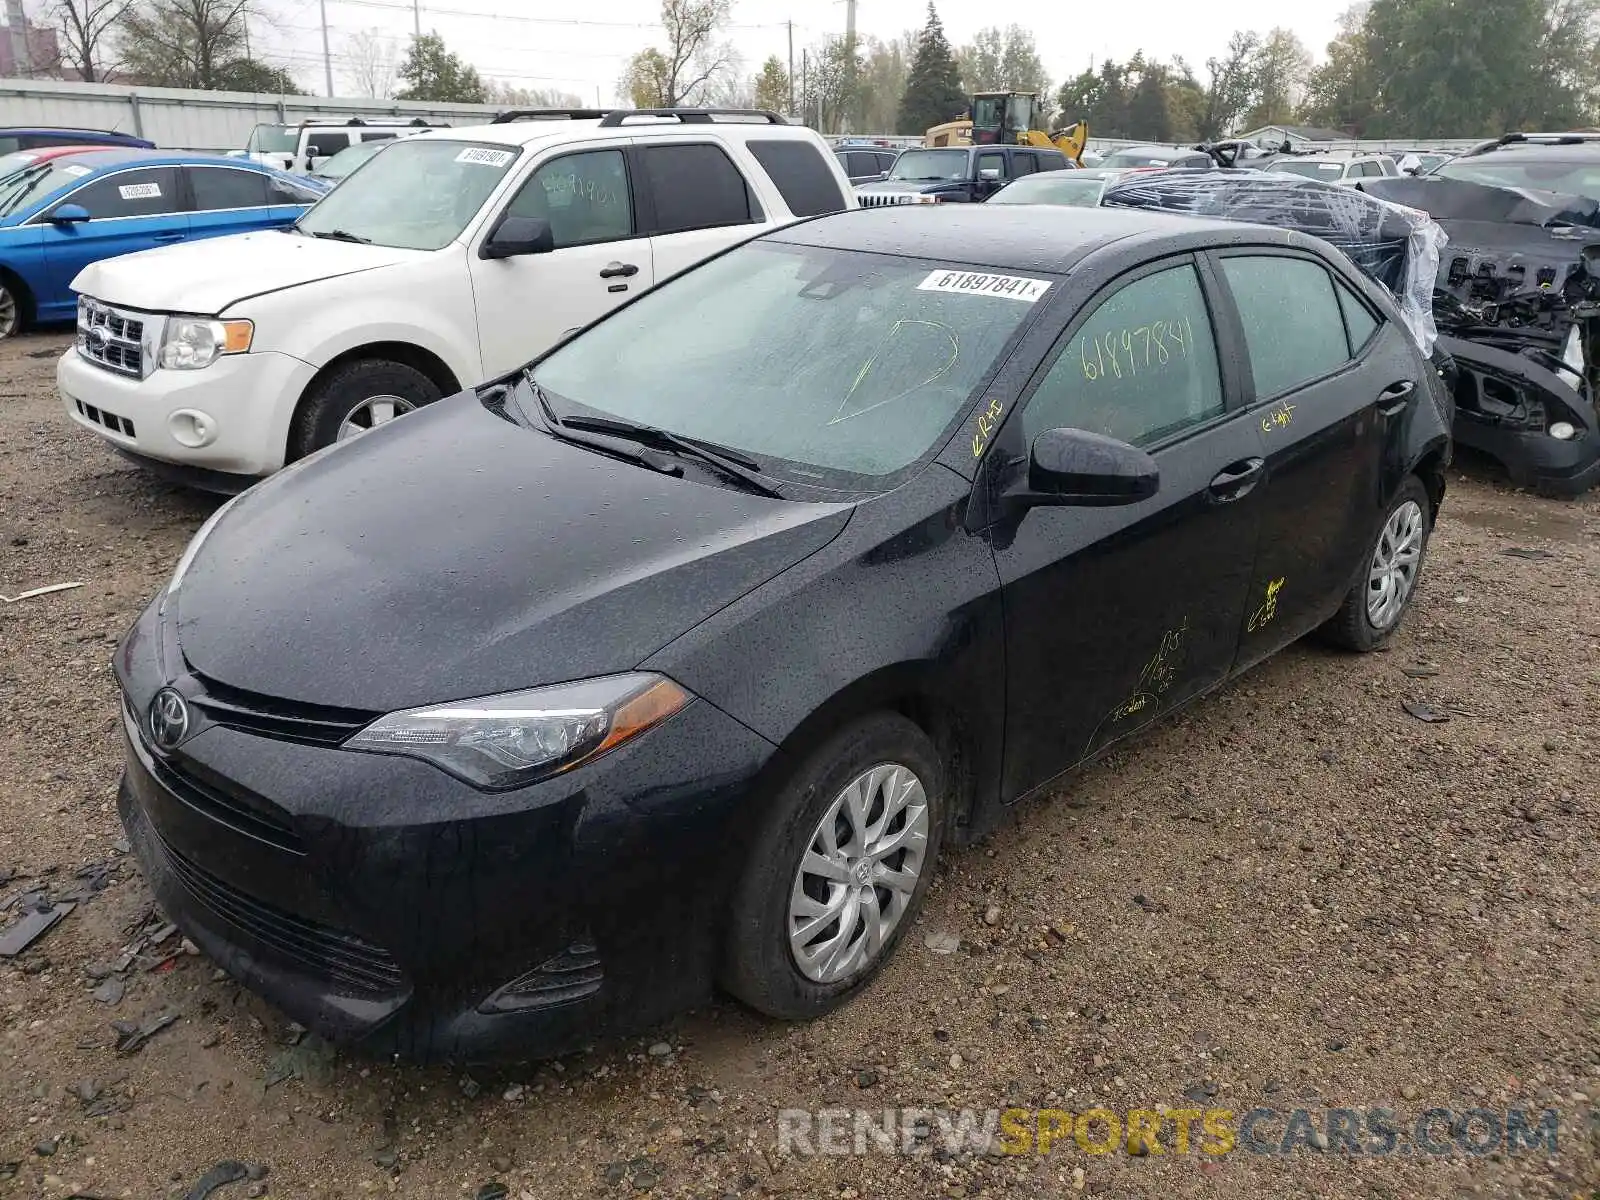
831 367
928 166
992 162
584 197
147 193
326 145
1293 328
419 194
695 186
272 139
1141 368
227 187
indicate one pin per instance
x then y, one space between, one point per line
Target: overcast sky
523 43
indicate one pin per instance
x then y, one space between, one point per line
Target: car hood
207 276
454 554
908 185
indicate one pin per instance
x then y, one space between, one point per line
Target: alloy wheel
858 874
370 413
9 312
1395 561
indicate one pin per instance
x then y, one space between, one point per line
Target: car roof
100 158
557 129
80 130
1546 151
1017 237
1153 150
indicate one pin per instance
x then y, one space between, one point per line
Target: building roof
1309 133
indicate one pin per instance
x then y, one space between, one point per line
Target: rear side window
10 145
378 137
1293 326
801 175
694 187
224 187
1359 322
148 193
1052 160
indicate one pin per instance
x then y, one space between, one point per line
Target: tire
15 305
760 968
345 390
1354 626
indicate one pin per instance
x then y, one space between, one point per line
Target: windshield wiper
557 429
730 462
341 235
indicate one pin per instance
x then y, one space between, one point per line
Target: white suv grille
879 199
111 338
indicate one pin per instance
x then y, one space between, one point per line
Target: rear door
1116 615
1328 394
227 200
694 201
129 210
601 256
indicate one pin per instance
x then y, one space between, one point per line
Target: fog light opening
1563 431
192 429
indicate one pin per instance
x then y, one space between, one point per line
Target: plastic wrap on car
1397 247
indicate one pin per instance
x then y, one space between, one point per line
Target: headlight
193 342
925 198
508 740
193 547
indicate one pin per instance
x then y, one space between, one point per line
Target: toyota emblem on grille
169 718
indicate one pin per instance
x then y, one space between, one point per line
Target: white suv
450 258
1346 171
304 147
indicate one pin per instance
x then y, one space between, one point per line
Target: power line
400 5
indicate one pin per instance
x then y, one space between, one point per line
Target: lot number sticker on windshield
485 158
140 191
75 170
1009 287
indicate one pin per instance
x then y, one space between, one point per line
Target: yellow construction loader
1007 118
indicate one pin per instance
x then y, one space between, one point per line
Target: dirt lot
1295 895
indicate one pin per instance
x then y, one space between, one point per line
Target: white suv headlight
190 343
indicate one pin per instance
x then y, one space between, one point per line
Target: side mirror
69 214
516 236
1076 467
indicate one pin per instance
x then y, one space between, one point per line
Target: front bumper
383 904
246 400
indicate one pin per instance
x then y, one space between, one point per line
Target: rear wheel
354 398
1390 572
838 872
13 307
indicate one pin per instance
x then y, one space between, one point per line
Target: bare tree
82 26
183 43
372 67
693 59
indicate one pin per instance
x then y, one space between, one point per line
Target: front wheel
838 871
12 306
354 398
1388 580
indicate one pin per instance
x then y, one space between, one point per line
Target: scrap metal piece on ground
42 591
131 1037
1525 552
30 927
225 1172
1424 711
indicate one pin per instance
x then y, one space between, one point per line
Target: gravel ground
1296 894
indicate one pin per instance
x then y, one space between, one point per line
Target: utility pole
804 58
416 18
327 56
790 24
850 65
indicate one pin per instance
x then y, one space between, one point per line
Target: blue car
36 137
66 207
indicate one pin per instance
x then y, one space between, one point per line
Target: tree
81 29
933 92
1102 97
1149 113
834 72
432 72
771 86
372 66
182 43
1280 69
496 92
1004 61
1342 93
884 69
1233 88
645 80
248 75
694 62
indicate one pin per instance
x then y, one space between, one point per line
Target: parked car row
768 547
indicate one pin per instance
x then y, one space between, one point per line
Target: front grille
211 796
109 419
284 720
332 953
111 338
880 199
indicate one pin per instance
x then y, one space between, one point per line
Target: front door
128 211
1116 615
525 304
1313 404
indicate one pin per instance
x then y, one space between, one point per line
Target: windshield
1576 178
1138 158
342 163
920 165
1310 170
830 367
273 139
418 196
29 184
1071 189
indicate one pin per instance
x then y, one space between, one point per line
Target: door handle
1236 480
1393 399
168 237
618 270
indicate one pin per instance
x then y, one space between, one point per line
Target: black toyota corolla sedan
672 660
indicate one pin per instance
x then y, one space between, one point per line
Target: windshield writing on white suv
825 366
418 194
930 164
